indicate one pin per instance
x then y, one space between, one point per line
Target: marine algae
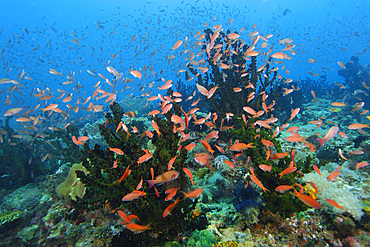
9 216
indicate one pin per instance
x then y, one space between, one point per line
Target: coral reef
105 187
9 216
235 73
203 238
285 204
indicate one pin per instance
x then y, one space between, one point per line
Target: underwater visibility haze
184 123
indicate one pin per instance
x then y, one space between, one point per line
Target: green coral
102 180
172 244
9 216
242 76
203 238
286 204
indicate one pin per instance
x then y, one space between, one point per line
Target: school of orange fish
37 119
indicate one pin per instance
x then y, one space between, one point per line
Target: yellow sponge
72 186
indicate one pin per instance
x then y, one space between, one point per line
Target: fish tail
321 141
150 183
147 227
185 195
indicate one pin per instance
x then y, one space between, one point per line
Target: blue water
327 31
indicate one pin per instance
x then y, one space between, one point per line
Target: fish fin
320 140
150 183
185 195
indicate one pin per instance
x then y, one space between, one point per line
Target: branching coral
229 70
103 180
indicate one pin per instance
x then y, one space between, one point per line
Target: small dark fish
286 11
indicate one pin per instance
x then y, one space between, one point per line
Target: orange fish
241 146
212 91
202 159
193 194
202 90
309 201
295 138
357 152
136 73
155 126
23 119
176 119
83 138
341 65
119 126
212 135
333 176
133 195
249 110
153 113
334 203
130 114
256 181
48 108
148 134
13 111
357 126
171 193
115 164
283 188
278 156
294 113
138 228
316 169
177 45
190 147
329 135
124 217
342 134
75 141
278 55
147 156
163 178
341 154
361 164
263 124
188 173
288 170
116 150
230 164
168 210
265 168
220 149
267 143
125 174
207 146
170 163
140 184
338 104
